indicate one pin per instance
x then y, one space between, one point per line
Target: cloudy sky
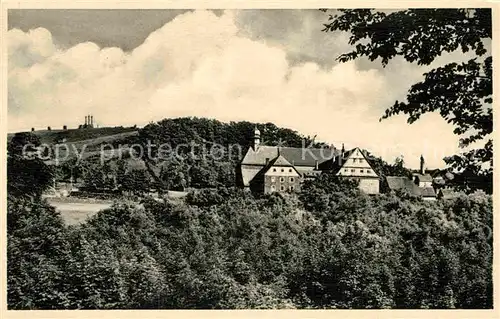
135 66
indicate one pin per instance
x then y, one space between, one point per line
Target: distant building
402 184
355 164
268 169
446 193
422 179
279 175
89 122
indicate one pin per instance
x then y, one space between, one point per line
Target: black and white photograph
254 158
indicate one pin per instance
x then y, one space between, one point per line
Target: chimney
65 127
32 129
92 120
316 166
85 120
422 165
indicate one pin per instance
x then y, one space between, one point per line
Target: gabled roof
349 152
446 193
423 178
295 155
280 161
338 164
403 183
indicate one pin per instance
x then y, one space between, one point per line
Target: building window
273 188
361 171
346 170
290 170
273 179
353 170
368 171
292 188
282 187
282 179
361 160
282 170
354 160
274 169
291 180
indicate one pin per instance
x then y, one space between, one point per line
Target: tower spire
422 165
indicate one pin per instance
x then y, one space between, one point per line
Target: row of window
353 170
282 179
282 170
357 160
282 188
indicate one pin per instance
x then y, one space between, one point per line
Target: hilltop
51 137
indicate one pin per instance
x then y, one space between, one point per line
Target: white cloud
201 65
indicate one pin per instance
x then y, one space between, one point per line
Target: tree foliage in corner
461 92
27 174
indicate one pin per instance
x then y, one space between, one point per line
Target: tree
461 92
325 193
385 169
27 174
202 174
136 181
36 255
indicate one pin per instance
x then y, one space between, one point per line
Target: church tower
256 139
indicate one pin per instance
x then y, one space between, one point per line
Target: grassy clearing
76 210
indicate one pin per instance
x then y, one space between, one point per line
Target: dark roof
280 161
296 156
310 173
349 152
446 193
336 164
402 183
427 192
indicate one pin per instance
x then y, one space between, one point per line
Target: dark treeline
194 162
328 247
202 165
199 166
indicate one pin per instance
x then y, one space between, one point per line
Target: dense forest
329 246
332 247
194 161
